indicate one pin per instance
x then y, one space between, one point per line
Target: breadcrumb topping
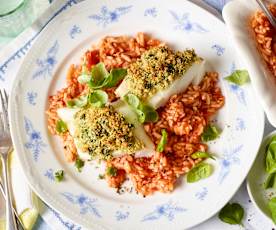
102 131
157 69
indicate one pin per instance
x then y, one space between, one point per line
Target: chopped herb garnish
115 76
84 78
79 102
163 141
101 78
61 126
144 112
200 154
111 171
270 159
147 114
98 75
270 181
101 176
232 213
238 77
98 98
211 132
79 164
132 100
272 208
200 171
270 164
59 175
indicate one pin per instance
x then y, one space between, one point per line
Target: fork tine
1 124
7 106
4 111
6 97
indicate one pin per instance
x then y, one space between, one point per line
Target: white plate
82 197
256 178
263 81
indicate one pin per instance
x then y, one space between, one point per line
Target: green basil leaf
59 175
132 100
147 114
238 77
200 171
144 112
200 154
111 171
98 76
101 78
270 159
61 126
232 213
115 76
163 141
98 98
141 116
99 73
79 164
270 181
77 102
93 85
211 132
272 208
84 78
273 139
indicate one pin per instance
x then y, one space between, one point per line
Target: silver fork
5 148
18 220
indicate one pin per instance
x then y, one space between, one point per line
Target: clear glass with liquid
15 16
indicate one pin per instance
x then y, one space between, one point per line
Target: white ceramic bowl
237 15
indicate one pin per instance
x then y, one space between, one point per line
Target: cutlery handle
269 15
10 218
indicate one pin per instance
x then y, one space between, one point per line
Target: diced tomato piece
92 58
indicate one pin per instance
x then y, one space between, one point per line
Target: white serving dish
237 15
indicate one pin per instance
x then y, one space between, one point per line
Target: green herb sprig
232 213
96 98
79 164
59 175
162 143
238 77
199 154
111 171
211 132
270 164
272 208
270 167
200 171
270 160
144 112
270 181
79 102
61 126
100 78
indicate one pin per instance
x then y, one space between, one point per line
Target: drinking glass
15 16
